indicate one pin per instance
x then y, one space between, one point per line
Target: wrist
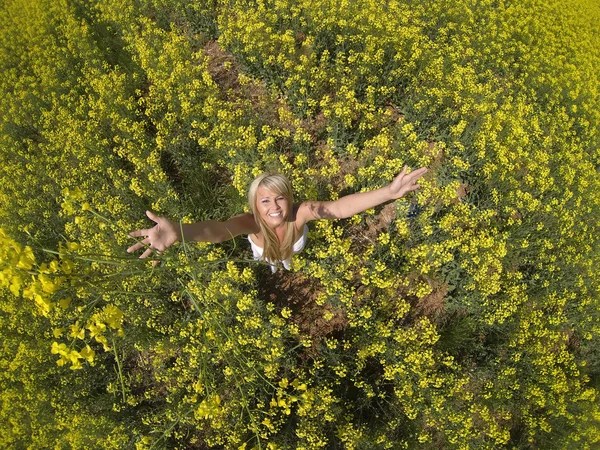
388 193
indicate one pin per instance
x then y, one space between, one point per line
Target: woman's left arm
352 204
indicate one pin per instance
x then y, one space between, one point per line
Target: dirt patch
573 341
300 293
225 71
432 304
218 62
380 222
375 225
436 153
316 127
462 191
394 113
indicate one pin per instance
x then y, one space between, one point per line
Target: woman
276 227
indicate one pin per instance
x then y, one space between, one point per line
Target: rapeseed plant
499 100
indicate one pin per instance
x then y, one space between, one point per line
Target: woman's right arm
166 232
214 231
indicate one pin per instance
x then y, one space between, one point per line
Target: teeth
275 215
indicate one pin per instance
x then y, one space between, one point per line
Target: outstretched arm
166 232
352 204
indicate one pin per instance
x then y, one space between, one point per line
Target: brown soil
299 293
430 305
395 114
462 191
433 304
437 154
228 81
225 78
375 225
315 126
380 222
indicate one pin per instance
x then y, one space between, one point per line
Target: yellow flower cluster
39 283
72 356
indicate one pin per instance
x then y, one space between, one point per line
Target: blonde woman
276 226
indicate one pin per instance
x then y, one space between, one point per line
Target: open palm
158 238
403 183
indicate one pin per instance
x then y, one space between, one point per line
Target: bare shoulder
315 210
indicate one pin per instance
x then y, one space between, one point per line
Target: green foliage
464 317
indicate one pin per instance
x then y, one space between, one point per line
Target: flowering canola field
465 316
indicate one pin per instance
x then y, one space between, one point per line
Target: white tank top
296 248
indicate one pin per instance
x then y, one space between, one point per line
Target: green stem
236 354
99 215
183 243
119 366
173 425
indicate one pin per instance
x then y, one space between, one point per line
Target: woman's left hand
403 183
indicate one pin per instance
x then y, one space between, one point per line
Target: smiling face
274 208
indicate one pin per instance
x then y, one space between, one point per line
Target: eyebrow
278 195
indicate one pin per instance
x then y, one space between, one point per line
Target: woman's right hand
158 238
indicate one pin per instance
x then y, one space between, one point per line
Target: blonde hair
274 250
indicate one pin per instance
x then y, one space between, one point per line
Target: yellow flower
48 286
77 332
15 285
44 304
88 353
102 340
96 329
58 332
58 349
113 316
26 259
67 266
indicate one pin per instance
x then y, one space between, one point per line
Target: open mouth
275 214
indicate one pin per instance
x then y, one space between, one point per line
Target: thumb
152 216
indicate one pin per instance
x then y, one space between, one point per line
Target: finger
139 233
152 216
147 253
155 263
135 247
419 172
139 245
413 176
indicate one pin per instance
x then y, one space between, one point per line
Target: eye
266 200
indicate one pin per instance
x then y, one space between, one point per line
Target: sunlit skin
269 203
276 211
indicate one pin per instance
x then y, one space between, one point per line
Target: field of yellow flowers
465 316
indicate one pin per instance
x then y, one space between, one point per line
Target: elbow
341 213
215 238
221 235
216 233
